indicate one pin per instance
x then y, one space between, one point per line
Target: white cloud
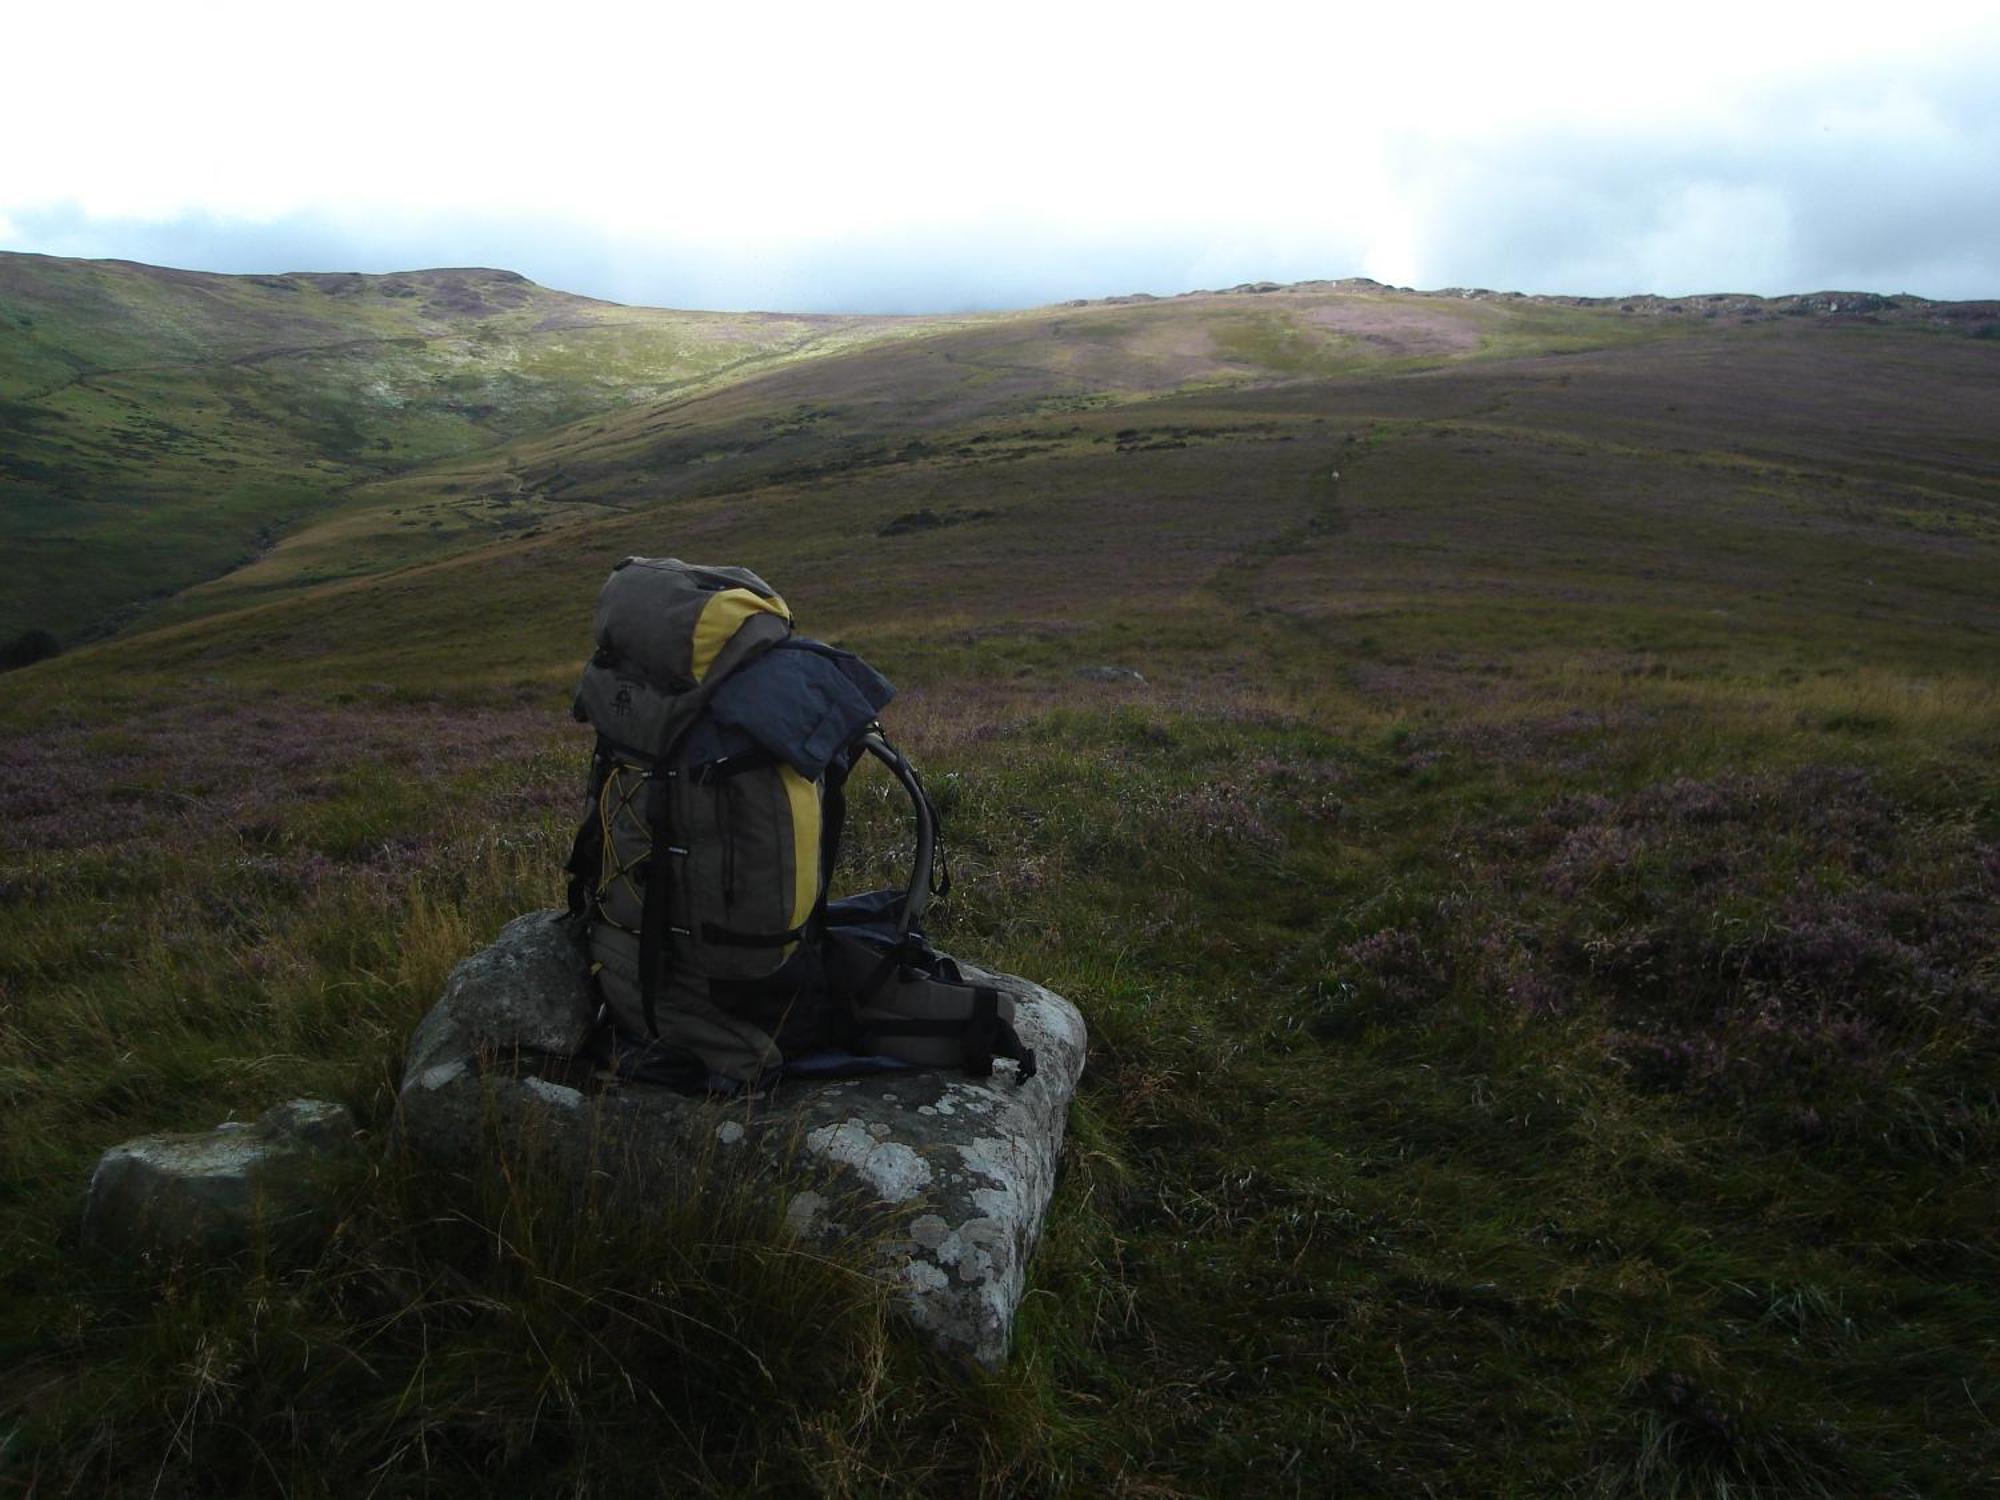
761 147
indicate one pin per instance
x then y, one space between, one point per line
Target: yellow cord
627 788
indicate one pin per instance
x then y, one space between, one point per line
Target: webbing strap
730 937
832 822
734 765
982 1031
1012 1046
585 863
653 936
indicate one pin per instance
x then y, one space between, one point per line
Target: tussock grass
495 1329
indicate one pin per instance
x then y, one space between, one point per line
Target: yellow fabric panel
720 619
804 797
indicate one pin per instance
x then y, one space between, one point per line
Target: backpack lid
673 622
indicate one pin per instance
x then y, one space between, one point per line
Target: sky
887 157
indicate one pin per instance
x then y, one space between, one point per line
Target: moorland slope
1539 918
158 427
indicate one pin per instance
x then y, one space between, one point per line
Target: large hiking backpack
710 834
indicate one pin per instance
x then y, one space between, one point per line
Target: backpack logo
621 701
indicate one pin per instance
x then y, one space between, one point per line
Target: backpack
711 829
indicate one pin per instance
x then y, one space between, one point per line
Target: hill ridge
159 426
176 439
1873 306
1827 301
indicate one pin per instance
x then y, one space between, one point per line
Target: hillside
160 427
165 430
1538 917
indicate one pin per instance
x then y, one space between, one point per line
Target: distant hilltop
459 292
1861 307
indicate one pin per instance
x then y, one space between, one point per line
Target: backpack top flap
673 621
665 628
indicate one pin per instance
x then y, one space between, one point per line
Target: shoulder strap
929 858
918 896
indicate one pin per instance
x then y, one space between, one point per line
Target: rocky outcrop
953 1174
215 1192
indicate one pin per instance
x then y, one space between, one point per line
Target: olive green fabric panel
737 873
637 713
630 711
643 687
688 1018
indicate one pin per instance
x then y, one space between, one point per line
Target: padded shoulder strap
919 894
982 1033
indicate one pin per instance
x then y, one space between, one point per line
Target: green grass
161 428
1537 923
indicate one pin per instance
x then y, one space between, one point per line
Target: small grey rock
213 1191
318 1123
1108 674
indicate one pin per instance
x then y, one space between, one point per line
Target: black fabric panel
912 1027
793 1005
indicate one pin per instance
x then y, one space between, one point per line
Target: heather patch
192 770
1806 953
1800 945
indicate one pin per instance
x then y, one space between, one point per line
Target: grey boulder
529 988
215 1192
950 1175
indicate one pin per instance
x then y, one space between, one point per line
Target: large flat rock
960 1170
